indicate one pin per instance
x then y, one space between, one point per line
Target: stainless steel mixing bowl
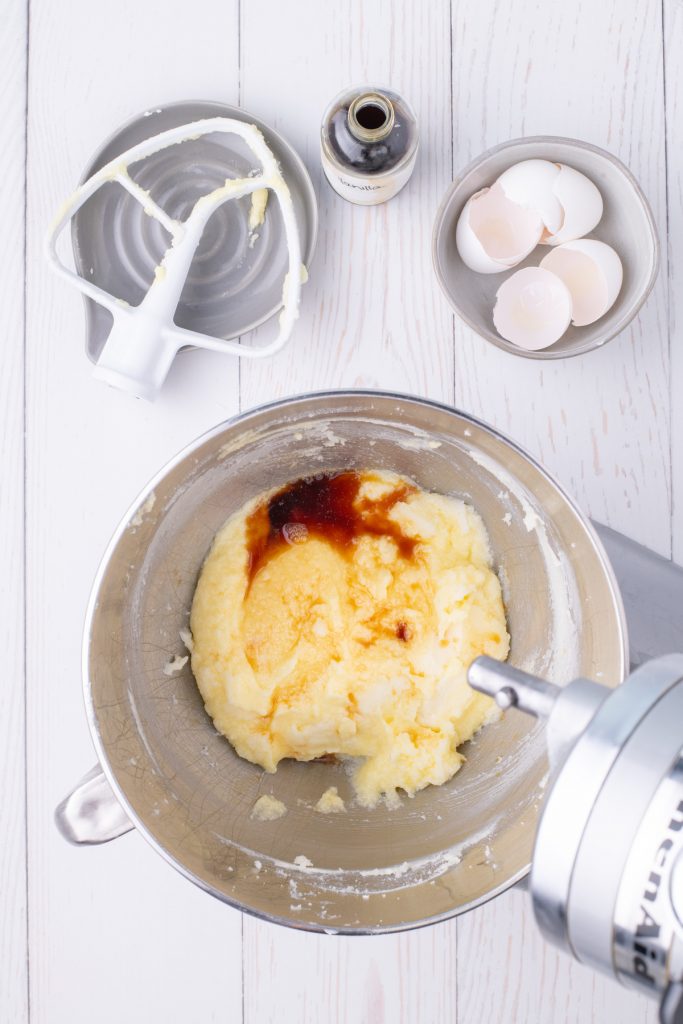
181 784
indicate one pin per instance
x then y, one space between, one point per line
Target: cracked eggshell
533 308
581 203
531 183
493 233
592 272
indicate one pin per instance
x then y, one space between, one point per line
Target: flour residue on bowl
368 882
559 653
144 510
175 665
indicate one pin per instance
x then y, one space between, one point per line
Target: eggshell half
531 183
581 204
533 308
493 233
592 272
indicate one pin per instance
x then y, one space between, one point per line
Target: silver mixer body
607 871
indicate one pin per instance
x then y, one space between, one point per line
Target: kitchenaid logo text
645 944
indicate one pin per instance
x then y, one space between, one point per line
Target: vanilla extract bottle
368 144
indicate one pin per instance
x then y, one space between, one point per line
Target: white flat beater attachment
144 340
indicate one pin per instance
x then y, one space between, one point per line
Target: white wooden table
112 934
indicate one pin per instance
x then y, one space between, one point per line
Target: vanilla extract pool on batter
324 506
368 144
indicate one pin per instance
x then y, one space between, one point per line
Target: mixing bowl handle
91 813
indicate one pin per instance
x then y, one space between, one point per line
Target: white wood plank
13 937
372 317
114 933
673 41
508 974
600 422
294 978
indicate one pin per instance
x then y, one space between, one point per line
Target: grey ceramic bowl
627 225
232 286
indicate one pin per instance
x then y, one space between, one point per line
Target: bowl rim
243 418
490 335
210 108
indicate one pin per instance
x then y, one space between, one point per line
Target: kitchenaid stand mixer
607 871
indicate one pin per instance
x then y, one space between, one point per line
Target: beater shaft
510 687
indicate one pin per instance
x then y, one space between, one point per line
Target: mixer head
145 338
607 868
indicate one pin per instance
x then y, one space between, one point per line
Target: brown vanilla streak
326 506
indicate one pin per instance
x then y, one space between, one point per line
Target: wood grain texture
372 315
13 935
508 973
114 933
295 978
600 422
673 44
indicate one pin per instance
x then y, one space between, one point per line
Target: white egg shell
581 204
533 308
531 183
592 272
493 233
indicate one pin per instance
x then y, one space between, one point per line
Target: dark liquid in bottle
371 116
370 157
